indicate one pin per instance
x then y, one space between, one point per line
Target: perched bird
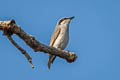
60 37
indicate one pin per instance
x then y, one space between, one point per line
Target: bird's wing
55 35
53 38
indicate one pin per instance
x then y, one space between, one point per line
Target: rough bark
10 27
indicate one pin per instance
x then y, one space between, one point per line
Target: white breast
62 40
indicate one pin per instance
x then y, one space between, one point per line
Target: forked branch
10 27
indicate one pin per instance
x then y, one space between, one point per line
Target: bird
60 37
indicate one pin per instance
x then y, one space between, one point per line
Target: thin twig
22 50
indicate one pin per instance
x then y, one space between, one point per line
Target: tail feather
51 60
49 64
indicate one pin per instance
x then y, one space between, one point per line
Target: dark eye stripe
62 20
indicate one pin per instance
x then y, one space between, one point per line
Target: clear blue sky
94 37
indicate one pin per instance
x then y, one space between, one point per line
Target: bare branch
22 51
9 28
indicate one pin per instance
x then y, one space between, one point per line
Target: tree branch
10 27
22 51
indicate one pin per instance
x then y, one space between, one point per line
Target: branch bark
21 50
10 27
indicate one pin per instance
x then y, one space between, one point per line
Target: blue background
94 37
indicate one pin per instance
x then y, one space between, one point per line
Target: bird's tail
51 60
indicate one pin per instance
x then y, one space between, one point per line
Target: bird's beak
72 17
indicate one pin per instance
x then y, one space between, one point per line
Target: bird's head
65 20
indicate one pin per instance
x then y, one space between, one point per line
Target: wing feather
54 36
